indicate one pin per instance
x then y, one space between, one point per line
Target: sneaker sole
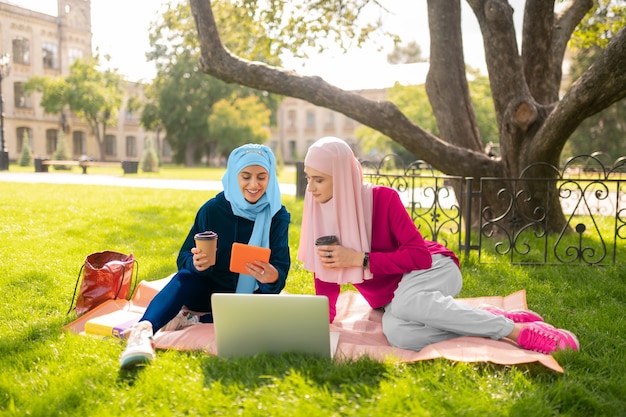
134 361
573 337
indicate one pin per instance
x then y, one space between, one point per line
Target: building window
75 54
310 119
79 143
291 119
22 100
110 145
330 121
21 51
131 146
52 137
50 53
24 135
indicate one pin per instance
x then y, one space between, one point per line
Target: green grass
47 230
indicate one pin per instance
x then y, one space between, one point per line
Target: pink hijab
348 215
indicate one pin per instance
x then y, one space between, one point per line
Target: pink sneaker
518 316
545 338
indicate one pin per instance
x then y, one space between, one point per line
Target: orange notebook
243 254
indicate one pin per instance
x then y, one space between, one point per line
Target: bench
129 167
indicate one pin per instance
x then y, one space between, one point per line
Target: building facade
34 43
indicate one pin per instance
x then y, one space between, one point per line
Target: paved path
122 181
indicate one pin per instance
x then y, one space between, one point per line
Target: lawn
48 229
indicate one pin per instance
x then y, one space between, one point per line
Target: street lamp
5 69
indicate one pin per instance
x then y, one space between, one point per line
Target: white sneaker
182 320
140 347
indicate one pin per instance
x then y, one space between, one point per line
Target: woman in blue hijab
249 210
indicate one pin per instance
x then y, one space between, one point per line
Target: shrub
61 152
26 157
150 159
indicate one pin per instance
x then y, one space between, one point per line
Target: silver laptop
247 324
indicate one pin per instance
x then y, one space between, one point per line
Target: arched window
23 135
79 143
131 146
52 138
110 145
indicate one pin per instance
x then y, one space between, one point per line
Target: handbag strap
133 282
75 288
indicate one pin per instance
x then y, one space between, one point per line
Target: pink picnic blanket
360 332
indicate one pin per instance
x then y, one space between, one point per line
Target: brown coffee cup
207 243
326 240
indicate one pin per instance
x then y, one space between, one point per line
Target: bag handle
133 282
75 288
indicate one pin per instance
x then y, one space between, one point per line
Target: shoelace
138 334
521 316
540 341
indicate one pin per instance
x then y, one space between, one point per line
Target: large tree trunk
448 90
533 124
190 154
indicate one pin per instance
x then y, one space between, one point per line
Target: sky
120 29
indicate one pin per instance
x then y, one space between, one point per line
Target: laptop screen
248 324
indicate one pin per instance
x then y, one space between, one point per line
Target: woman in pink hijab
384 256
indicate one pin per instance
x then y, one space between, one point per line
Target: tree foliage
412 100
150 158
183 101
605 19
94 96
26 156
60 154
603 132
534 122
406 54
232 124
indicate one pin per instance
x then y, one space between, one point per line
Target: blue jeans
184 289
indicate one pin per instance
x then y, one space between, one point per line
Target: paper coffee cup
326 240
207 243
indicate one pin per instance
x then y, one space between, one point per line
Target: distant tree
181 98
92 95
413 102
60 154
150 159
603 132
26 156
406 54
184 100
245 120
151 121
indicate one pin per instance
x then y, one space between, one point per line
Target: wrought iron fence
454 210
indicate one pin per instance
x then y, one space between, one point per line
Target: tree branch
603 84
495 18
384 117
537 41
564 25
446 83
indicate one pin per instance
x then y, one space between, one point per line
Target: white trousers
423 310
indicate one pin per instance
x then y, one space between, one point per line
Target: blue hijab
263 210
